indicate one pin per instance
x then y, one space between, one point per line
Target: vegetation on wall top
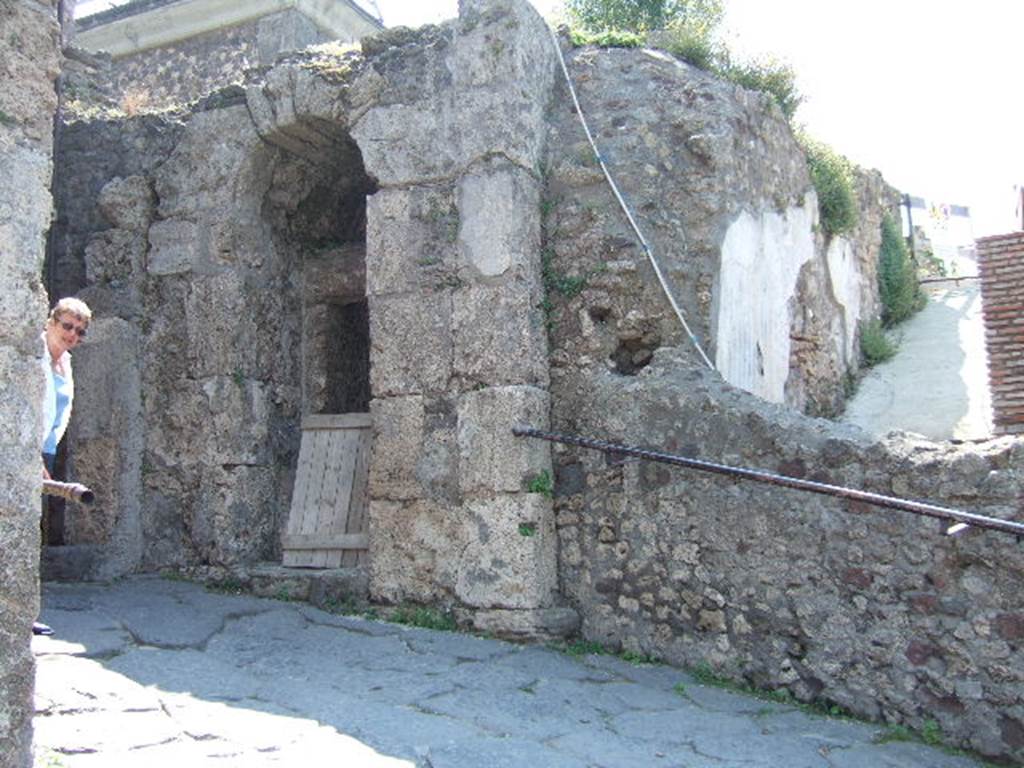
832 176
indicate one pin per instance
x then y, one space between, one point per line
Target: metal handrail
960 518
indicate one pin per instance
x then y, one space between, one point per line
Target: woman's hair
71 306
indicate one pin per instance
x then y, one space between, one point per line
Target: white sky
926 91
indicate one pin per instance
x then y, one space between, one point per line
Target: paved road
937 384
153 673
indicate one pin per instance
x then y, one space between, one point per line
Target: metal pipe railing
960 518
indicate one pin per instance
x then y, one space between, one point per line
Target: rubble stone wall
720 189
872 609
29 61
182 72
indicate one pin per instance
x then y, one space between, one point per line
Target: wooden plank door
327 521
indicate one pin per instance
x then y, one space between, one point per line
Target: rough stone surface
182 72
189 677
492 459
29 59
720 190
420 230
872 609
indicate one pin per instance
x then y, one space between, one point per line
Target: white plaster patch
846 280
489 229
761 260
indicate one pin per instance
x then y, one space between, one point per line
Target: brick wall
1001 262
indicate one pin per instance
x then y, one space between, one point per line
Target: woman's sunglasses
72 327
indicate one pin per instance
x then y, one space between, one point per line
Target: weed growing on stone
228 586
705 675
581 648
930 734
875 346
542 484
634 657
6 119
423 617
527 529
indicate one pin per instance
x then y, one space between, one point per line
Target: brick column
1001 263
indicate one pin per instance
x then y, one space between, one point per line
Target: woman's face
65 331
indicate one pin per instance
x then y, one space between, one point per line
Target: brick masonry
1001 263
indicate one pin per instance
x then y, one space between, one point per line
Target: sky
926 91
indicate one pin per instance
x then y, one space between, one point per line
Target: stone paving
152 672
937 384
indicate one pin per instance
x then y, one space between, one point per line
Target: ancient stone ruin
29 61
419 231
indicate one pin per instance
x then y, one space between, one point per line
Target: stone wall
29 61
180 73
429 213
871 609
720 189
344 232
1001 265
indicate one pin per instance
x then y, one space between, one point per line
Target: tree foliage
641 16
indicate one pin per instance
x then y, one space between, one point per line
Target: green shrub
769 75
832 176
875 346
898 289
609 38
692 46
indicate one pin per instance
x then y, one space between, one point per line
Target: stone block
415 454
398 425
510 559
336 275
290 109
127 203
24 216
411 239
223 334
236 426
106 440
492 459
174 247
410 344
115 256
499 221
414 548
499 334
210 179
30 60
234 518
527 624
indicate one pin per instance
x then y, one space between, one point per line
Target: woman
65 328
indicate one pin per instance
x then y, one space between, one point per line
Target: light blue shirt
62 390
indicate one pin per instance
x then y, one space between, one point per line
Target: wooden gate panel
327 521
